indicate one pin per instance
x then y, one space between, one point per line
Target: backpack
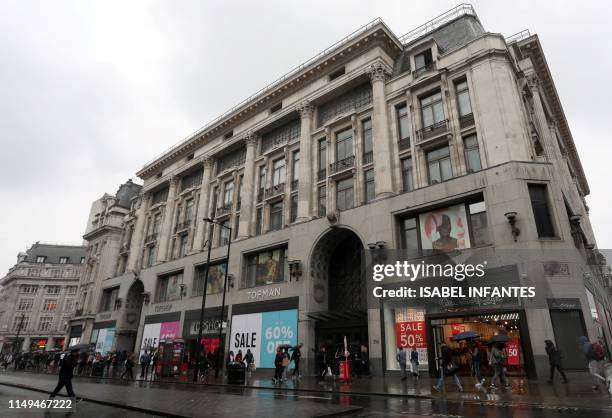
598 351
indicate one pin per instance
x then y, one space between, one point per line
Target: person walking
145 360
401 359
595 355
250 360
447 368
414 362
129 365
321 363
497 359
554 359
286 361
154 357
296 355
475 356
66 371
278 366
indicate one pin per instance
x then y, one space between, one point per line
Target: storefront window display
169 287
265 268
154 333
103 338
405 327
38 344
216 278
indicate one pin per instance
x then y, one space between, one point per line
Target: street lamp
199 347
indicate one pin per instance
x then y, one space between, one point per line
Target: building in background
38 297
448 138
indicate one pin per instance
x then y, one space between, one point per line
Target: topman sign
264 293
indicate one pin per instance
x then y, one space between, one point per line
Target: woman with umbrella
497 358
474 351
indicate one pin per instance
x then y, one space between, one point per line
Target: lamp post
220 351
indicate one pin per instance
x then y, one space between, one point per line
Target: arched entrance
339 290
128 324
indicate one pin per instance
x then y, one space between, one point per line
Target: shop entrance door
568 327
330 334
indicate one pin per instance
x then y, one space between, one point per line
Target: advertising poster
104 340
150 337
410 334
513 350
445 229
262 333
170 330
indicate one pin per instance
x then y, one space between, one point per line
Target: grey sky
90 91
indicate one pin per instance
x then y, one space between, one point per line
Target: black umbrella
466 335
499 338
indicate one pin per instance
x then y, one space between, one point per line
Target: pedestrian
278 366
66 371
401 359
447 368
595 355
250 361
475 357
497 359
414 362
238 357
365 361
154 358
321 359
286 361
295 358
554 359
129 365
145 360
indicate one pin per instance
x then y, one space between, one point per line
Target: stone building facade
353 151
38 297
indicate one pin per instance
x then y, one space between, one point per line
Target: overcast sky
90 91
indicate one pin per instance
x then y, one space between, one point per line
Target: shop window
541 212
216 278
265 268
568 327
169 287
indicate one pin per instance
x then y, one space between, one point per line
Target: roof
53 252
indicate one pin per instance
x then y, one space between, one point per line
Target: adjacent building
376 143
38 297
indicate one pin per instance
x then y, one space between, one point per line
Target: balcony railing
294 185
467 120
344 164
224 210
368 157
404 144
151 238
275 190
431 131
183 225
321 175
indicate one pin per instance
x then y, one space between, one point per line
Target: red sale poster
458 329
411 334
513 350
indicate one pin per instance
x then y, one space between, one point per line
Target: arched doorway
128 325
339 289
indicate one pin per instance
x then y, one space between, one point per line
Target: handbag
449 369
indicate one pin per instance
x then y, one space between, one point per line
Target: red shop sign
513 350
410 334
457 329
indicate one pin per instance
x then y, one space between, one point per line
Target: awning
337 315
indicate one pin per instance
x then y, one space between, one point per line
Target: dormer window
422 62
41 259
63 260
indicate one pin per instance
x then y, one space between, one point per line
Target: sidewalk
577 393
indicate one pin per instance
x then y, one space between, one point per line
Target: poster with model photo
445 229
269 269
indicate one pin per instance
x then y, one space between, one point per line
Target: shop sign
166 307
457 329
512 348
262 333
410 334
209 325
564 303
153 333
263 293
104 316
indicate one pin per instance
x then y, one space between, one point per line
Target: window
284 134
63 260
69 305
216 278
294 208
322 200
541 211
233 159
366 128
189 211
407 183
150 256
258 221
295 166
20 323
409 235
432 111
266 267
25 304
169 287
34 272
109 299
322 159
49 305
45 322
71 290
463 99
55 273
262 181
40 259
439 165
29 289
53 290
276 216
192 179
159 196
344 144
182 250
224 232
403 123
228 194
345 103
156 225
369 186
278 172
422 61
236 226
472 154
82 260
344 194
478 223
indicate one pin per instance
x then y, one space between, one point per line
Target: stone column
306 111
166 230
202 211
138 234
378 73
248 186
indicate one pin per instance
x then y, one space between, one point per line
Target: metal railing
519 36
452 14
321 175
273 84
275 190
343 164
432 130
